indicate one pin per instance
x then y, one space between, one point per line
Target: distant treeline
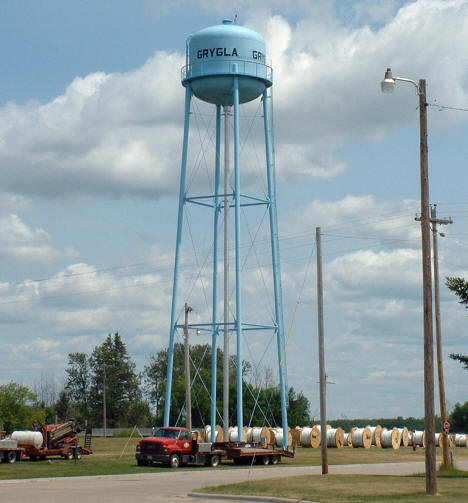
411 423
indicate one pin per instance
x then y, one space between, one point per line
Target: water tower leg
214 333
237 217
276 262
180 217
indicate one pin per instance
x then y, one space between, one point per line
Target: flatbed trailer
9 451
177 446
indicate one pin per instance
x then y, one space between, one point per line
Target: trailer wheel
174 461
214 460
274 460
78 453
69 455
263 460
10 457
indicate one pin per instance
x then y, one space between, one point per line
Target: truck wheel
10 457
274 460
69 455
214 460
174 461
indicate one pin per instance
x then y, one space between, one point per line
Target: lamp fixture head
388 83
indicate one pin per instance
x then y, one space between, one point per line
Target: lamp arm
410 81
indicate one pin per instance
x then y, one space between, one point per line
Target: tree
459 418
17 409
78 383
112 367
260 398
460 287
62 407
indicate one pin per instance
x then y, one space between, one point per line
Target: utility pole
227 110
188 395
104 404
323 377
440 370
429 416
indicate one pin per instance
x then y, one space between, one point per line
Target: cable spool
345 439
376 432
218 433
461 440
362 437
419 438
404 437
305 436
260 435
451 441
410 437
350 436
279 437
390 438
438 439
315 437
233 434
335 438
296 437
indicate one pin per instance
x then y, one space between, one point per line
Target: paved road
171 486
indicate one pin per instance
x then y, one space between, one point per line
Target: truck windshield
162 433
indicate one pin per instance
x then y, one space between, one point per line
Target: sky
91 126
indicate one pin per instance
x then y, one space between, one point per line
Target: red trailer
57 440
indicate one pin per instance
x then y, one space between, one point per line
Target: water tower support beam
214 334
237 206
180 217
275 262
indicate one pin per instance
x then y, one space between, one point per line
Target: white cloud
21 243
120 134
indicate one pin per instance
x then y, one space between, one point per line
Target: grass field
353 488
106 460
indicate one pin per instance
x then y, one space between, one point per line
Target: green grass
350 488
106 460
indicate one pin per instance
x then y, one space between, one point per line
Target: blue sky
91 122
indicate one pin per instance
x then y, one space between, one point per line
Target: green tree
111 366
17 409
62 407
261 400
459 418
78 384
460 287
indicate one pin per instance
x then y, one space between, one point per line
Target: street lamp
387 86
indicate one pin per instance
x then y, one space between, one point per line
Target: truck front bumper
159 458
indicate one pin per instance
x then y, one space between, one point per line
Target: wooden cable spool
350 436
404 437
390 438
419 438
279 437
362 437
260 435
376 432
461 440
335 438
305 436
451 441
315 437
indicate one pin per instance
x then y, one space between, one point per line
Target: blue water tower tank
216 54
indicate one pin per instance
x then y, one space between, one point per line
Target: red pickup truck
174 447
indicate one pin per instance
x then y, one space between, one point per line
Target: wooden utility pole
104 403
188 395
429 416
323 377
440 369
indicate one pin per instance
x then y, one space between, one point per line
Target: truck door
185 442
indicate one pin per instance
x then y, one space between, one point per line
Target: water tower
225 66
